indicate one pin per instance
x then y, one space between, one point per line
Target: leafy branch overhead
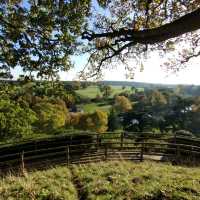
40 36
133 29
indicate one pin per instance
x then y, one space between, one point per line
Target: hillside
106 181
140 84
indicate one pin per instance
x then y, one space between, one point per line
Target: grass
92 91
53 184
89 92
144 181
106 181
91 107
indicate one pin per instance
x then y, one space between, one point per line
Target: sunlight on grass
53 184
125 180
91 107
117 180
92 91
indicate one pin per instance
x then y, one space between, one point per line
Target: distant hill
139 84
192 90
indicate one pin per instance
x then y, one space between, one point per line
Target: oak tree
126 29
40 36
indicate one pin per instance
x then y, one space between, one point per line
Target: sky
152 73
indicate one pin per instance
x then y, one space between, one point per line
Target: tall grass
53 184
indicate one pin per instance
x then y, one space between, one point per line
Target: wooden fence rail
98 149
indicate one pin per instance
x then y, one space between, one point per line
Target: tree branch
188 23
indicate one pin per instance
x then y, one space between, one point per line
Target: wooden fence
95 147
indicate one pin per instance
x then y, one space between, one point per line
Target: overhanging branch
188 23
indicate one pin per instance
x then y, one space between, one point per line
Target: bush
96 121
51 116
15 121
122 104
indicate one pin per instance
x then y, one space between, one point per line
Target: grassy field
92 91
91 107
89 92
106 181
53 184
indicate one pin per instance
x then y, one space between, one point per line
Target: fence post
193 156
142 152
70 139
177 152
122 139
35 145
106 151
67 155
22 162
97 141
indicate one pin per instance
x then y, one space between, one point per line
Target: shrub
15 121
51 116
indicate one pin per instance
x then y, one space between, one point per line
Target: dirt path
82 194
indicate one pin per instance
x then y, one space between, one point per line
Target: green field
89 92
92 91
106 181
91 107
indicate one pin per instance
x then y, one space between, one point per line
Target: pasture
91 107
92 91
105 181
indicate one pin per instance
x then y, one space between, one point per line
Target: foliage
161 111
53 107
107 91
139 119
113 120
76 85
122 104
126 31
100 121
40 36
51 116
15 120
156 98
96 121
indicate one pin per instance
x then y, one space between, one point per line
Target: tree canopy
129 29
40 36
